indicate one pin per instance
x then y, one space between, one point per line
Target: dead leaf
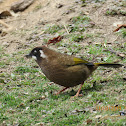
89 121
55 40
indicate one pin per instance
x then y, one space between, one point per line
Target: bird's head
37 53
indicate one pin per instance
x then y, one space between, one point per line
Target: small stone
47 94
42 97
98 116
27 108
59 5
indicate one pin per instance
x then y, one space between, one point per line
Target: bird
63 69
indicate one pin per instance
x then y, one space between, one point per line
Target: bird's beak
28 56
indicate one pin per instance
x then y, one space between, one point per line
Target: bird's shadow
85 90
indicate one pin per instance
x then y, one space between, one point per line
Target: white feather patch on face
34 57
42 54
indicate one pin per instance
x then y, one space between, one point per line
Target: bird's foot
57 93
61 90
77 95
78 92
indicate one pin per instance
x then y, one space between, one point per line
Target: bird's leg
77 94
61 90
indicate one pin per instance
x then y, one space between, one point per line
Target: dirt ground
50 13
43 12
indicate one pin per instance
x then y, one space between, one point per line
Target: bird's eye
35 51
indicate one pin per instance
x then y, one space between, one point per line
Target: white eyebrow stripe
42 54
34 57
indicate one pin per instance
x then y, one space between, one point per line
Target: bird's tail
114 65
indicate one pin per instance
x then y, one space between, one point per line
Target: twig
7 29
66 29
3 23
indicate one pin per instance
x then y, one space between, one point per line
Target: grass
77 38
53 29
26 98
38 7
115 12
79 23
123 3
123 32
